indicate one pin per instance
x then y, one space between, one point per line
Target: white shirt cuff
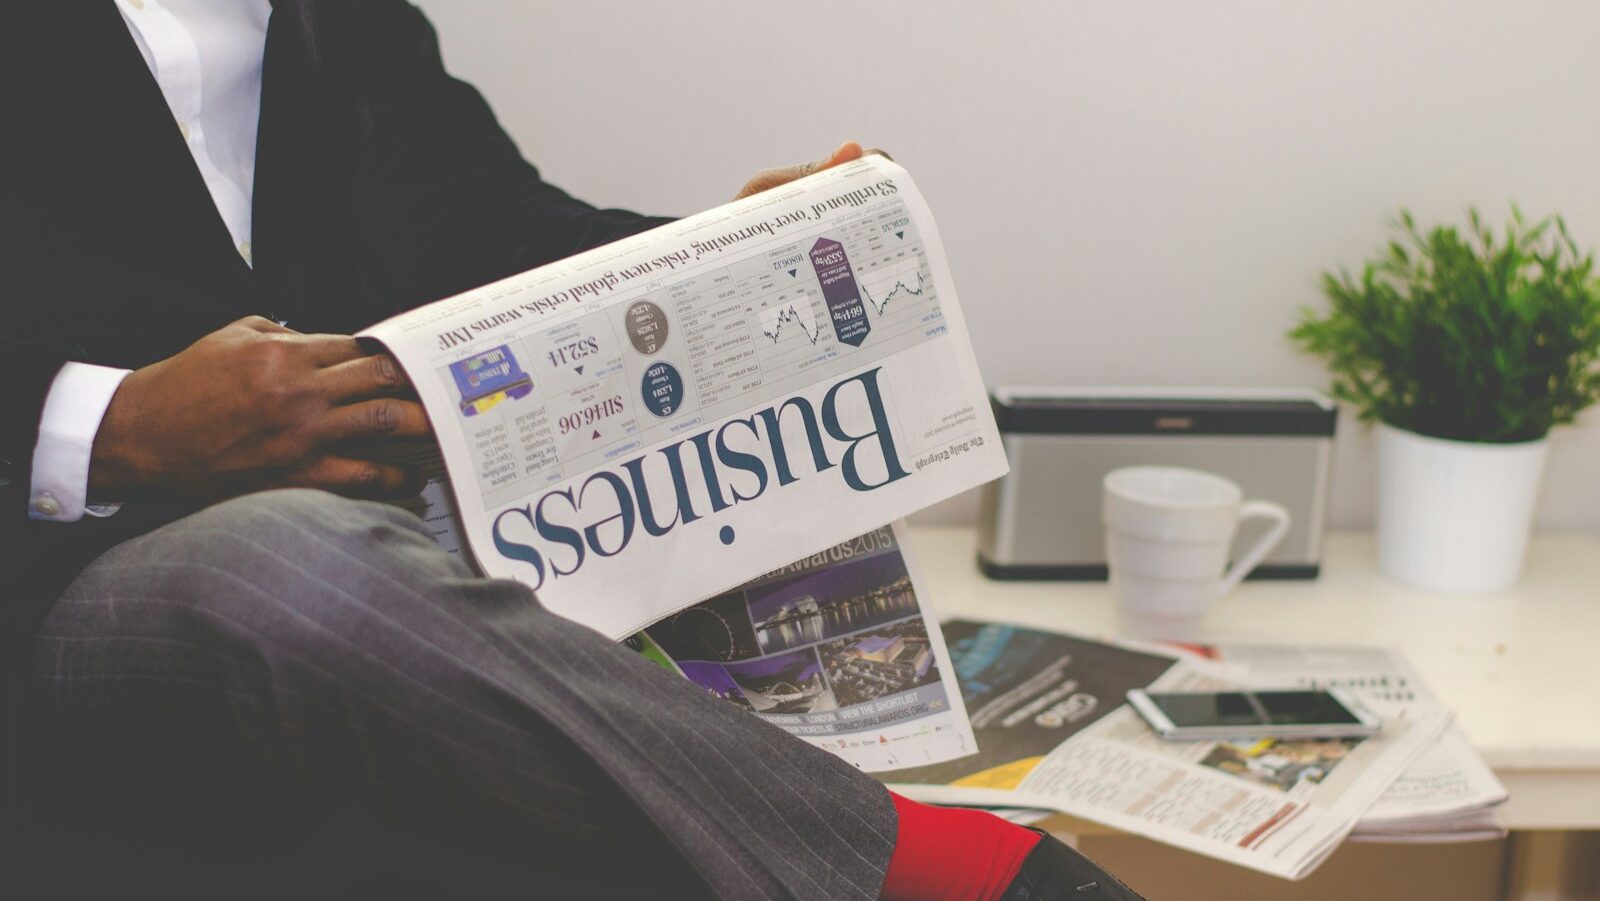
72 412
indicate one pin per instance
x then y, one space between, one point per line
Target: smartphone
1187 716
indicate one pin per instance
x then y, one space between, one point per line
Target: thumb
772 178
845 153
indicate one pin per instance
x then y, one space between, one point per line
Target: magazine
835 648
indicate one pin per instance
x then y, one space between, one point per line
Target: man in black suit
218 656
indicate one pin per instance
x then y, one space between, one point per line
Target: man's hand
254 405
767 179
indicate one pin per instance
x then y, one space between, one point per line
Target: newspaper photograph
658 420
1279 807
834 648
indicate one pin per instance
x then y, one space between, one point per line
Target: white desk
1504 662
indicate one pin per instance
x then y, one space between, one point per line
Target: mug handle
1252 557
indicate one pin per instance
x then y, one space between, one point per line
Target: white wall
1131 193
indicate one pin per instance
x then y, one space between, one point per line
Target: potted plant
1465 347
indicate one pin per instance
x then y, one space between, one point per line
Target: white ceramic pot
1455 515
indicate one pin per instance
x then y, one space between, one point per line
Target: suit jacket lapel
127 172
304 156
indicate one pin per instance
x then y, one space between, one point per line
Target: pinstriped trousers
291 674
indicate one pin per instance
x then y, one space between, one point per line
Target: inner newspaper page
837 648
658 420
1054 703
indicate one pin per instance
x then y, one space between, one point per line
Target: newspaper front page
835 648
1053 732
653 422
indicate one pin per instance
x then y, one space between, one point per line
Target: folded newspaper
1447 794
1053 733
726 409
651 422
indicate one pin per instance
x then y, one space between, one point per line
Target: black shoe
1054 872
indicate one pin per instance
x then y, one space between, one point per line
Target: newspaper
1447 794
1053 732
834 648
653 422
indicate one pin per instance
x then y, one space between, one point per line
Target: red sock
951 854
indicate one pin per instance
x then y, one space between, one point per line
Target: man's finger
385 417
377 375
768 179
845 152
357 478
329 350
260 324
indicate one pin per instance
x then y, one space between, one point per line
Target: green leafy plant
1463 334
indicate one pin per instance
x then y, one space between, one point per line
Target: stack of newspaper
1448 795
691 441
1054 735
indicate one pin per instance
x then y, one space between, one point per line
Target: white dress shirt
206 56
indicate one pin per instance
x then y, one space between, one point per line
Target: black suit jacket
381 183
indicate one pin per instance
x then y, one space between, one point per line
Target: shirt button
244 251
137 4
183 127
45 505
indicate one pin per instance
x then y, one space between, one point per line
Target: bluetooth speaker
1042 521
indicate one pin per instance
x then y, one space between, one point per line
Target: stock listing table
1521 669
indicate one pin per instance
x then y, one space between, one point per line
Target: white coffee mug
1168 533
